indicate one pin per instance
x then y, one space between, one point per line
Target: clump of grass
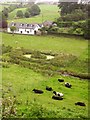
63 60
37 54
9 107
6 49
5 65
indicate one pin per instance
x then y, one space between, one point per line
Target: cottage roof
47 23
68 1
23 25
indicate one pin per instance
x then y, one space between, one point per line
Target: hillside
12 15
21 75
49 12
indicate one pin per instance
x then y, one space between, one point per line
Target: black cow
49 88
57 97
38 91
61 80
80 104
68 85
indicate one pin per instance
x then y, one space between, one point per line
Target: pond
48 56
28 55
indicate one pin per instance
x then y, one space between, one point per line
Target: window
21 25
27 25
27 31
30 30
21 31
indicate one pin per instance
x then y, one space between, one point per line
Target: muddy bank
81 76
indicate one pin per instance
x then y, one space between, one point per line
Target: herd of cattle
58 95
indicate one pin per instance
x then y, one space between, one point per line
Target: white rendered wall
24 31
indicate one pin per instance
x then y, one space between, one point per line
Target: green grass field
49 12
19 81
12 15
23 80
48 43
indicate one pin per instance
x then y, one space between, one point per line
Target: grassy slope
50 12
23 80
77 47
48 43
13 13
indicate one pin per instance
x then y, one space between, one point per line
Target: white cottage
25 28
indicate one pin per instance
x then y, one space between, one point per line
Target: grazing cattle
38 91
68 85
57 97
58 93
49 88
60 80
80 104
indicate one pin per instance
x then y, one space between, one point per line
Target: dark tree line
76 16
68 8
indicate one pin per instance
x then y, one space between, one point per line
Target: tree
12 7
5 12
34 10
87 29
27 14
13 28
19 13
69 7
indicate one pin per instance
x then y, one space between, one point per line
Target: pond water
48 56
28 55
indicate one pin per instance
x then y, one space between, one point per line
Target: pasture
19 80
49 12
2 6
48 43
12 15
22 81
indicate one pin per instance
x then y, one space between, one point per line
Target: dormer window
21 24
27 25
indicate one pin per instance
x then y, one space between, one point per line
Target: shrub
78 31
27 15
6 49
64 24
